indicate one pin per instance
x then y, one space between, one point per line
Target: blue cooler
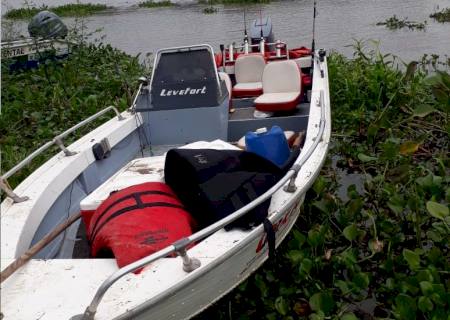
271 144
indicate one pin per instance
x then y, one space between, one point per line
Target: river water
142 30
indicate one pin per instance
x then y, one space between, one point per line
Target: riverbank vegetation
377 249
40 103
155 4
441 16
231 1
67 10
394 23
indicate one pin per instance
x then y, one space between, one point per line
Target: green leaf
315 238
295 256
405 306
281 306
365 158
425 304
361 280
306 266
423 110
322 301
426 288
299 238
412 258
319 185
351 232
349 316
437 210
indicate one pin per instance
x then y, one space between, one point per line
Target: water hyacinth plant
38 104
394 23
380 250
441 16
155 4
67 10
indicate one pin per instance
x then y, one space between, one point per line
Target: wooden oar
14 266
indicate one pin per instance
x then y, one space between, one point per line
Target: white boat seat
248 86
281 86
249 70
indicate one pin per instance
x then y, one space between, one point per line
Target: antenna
313 45
245 28
260 23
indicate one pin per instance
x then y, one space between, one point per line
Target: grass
68 10
441 16
394 23
155 4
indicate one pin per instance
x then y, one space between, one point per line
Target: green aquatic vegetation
441 16
380 251
394 23
231 1
210 10
38 104
67 10
155 4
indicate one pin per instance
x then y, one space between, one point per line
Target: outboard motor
261 26
47 25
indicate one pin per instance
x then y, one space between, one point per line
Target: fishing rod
260 23
313 45
245 27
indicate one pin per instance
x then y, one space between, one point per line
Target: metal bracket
7 189
291 187
58 141
189 264
87 315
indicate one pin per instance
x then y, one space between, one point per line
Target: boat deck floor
242 119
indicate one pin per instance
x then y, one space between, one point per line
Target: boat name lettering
184 92
12 52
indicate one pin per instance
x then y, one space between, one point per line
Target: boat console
185 100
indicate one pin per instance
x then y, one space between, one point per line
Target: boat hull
191 297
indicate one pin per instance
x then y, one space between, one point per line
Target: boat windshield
185 79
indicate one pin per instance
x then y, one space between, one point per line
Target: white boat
56 284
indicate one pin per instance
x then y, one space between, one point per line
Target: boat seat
248 70
281 85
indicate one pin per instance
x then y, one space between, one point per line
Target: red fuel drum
138 221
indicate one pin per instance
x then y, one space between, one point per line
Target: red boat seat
137 221
248 70
281 85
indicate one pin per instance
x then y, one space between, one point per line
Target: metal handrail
232 48
211 50
56 140
180 245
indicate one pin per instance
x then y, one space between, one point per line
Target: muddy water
145 30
